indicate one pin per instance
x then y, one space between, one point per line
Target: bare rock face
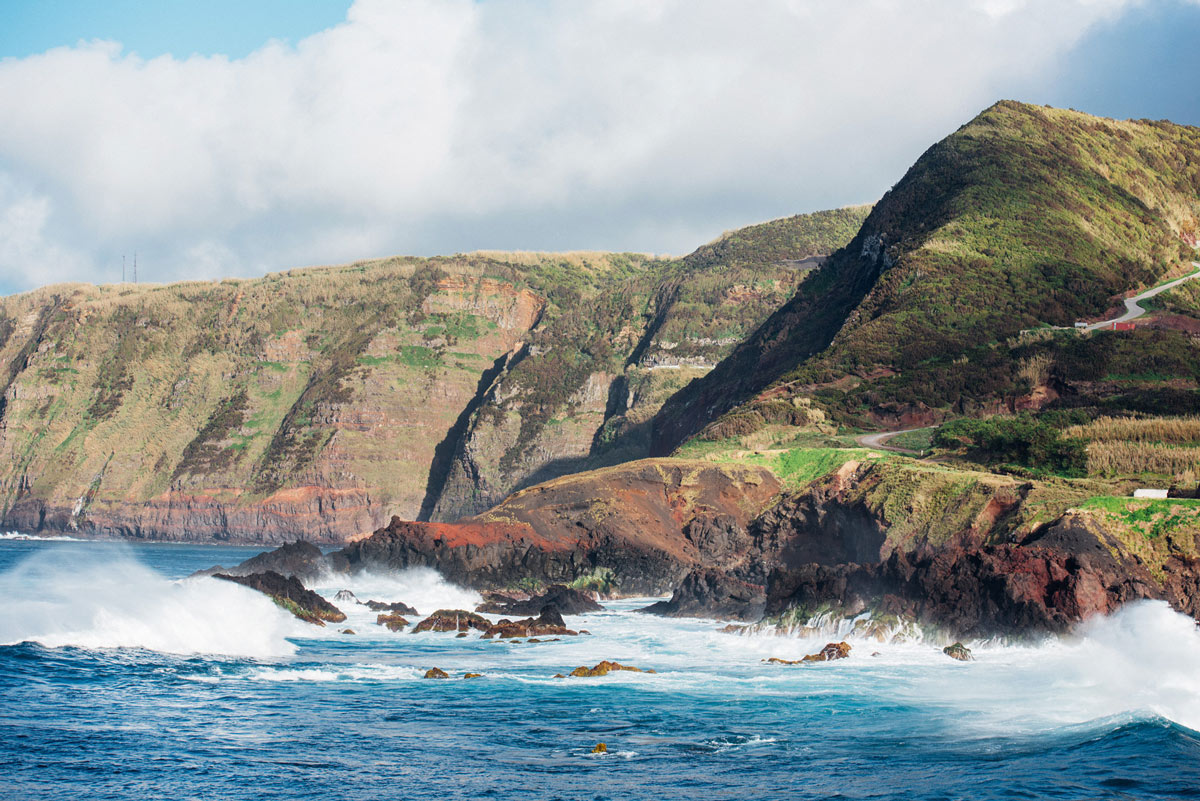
458 620
299 559
289 593
396 607
637 523
548 623
713 593
564 599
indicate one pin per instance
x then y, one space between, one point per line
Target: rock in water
345 596
604 668
713 593
566 600
393 622
396 607
453 620
548 623
600 748
472 675
348 631
301 560
831 651
958 651
289 593
436 673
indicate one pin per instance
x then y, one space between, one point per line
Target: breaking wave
58 599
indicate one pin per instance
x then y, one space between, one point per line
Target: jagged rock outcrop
713 593
630 522
300 559
395 607
564 599
547 624
289 593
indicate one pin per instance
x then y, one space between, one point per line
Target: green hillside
320 402
1025 218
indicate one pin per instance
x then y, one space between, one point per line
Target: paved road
1133 310
879 440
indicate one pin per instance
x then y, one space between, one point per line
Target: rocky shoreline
731 543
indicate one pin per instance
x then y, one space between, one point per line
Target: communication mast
135 267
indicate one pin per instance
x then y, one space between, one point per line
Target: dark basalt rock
346 597
548 623
289 593
453 620
396 607
713 593
299 559
568 602
958 651
985 591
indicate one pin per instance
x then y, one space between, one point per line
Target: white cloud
447 125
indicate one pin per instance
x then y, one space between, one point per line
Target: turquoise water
121 682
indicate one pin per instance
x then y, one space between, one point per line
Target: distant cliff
319 403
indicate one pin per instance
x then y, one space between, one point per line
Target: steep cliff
319 403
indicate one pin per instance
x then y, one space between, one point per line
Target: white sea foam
424 589
1141 662
20 537
75 599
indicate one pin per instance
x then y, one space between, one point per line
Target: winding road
880 438
1133 310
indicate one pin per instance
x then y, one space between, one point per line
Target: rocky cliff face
967 553
319 403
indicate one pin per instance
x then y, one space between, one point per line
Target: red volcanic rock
648 522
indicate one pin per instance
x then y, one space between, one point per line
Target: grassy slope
318 377
346 378
1025 216
606 361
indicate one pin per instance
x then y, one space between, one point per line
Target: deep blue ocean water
121 682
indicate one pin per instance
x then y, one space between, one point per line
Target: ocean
122 679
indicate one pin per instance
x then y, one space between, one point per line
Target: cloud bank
440 126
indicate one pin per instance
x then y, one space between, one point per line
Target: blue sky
155 27
230 139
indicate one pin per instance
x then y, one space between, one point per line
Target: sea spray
1140 663
58 598
420 587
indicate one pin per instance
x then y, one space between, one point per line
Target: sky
223 139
